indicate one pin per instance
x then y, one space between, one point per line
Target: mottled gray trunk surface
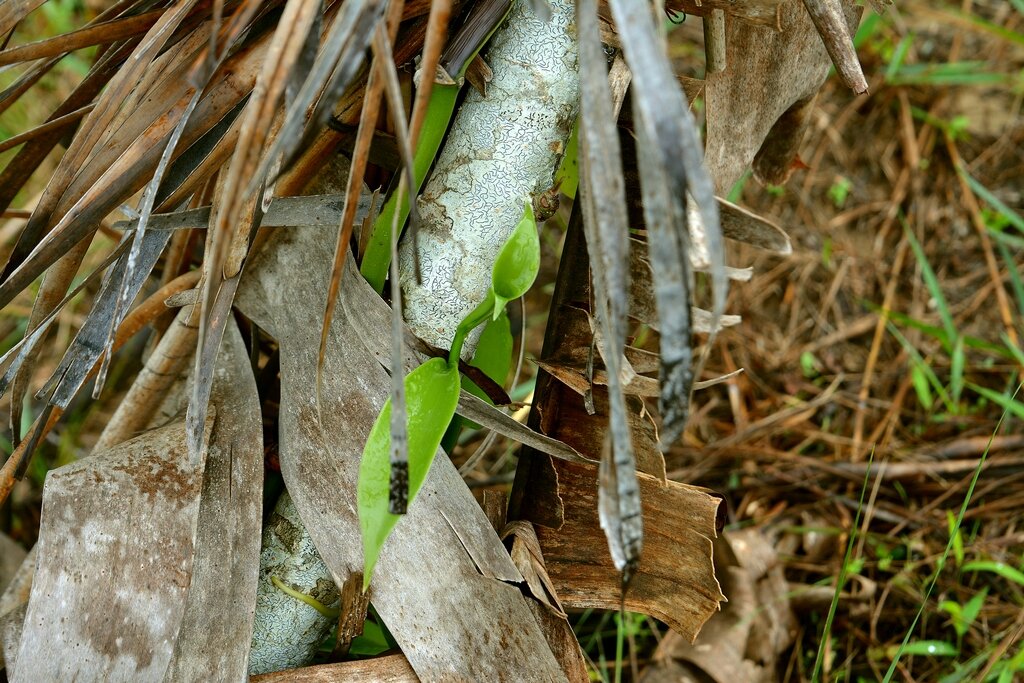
503 149
288 631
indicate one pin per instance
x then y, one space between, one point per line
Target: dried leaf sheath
607 232
149 197
665 218
13 11
670 159
108 110
353 189
340 57
83 190
96 33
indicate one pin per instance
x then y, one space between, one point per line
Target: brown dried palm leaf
223 103
92 180
267 144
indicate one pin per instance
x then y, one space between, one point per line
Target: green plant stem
302 597
479 315
459 54
619 639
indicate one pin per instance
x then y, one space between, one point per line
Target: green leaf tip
431 394
518 262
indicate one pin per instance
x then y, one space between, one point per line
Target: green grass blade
1005 238
934 288
1016 408
868 28
898 55
972 608
620 639
949 545
1014 665
919 362
1017 352
956 378
819 660
944 75
972 21
1016 283
998 568
992 200
931 648
921 386
940 334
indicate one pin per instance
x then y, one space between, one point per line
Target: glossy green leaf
431 393
518 262
371 642
493 353
567 179
493 356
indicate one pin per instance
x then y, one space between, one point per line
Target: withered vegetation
857 390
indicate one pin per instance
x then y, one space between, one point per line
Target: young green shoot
431 395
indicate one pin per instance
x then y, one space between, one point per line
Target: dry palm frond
211 112
195 97
606 223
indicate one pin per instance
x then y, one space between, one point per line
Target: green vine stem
477 316
309 600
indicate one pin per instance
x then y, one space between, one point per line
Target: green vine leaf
494 349
518 262
431 394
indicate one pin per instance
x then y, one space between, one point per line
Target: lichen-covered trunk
288 631
503 150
